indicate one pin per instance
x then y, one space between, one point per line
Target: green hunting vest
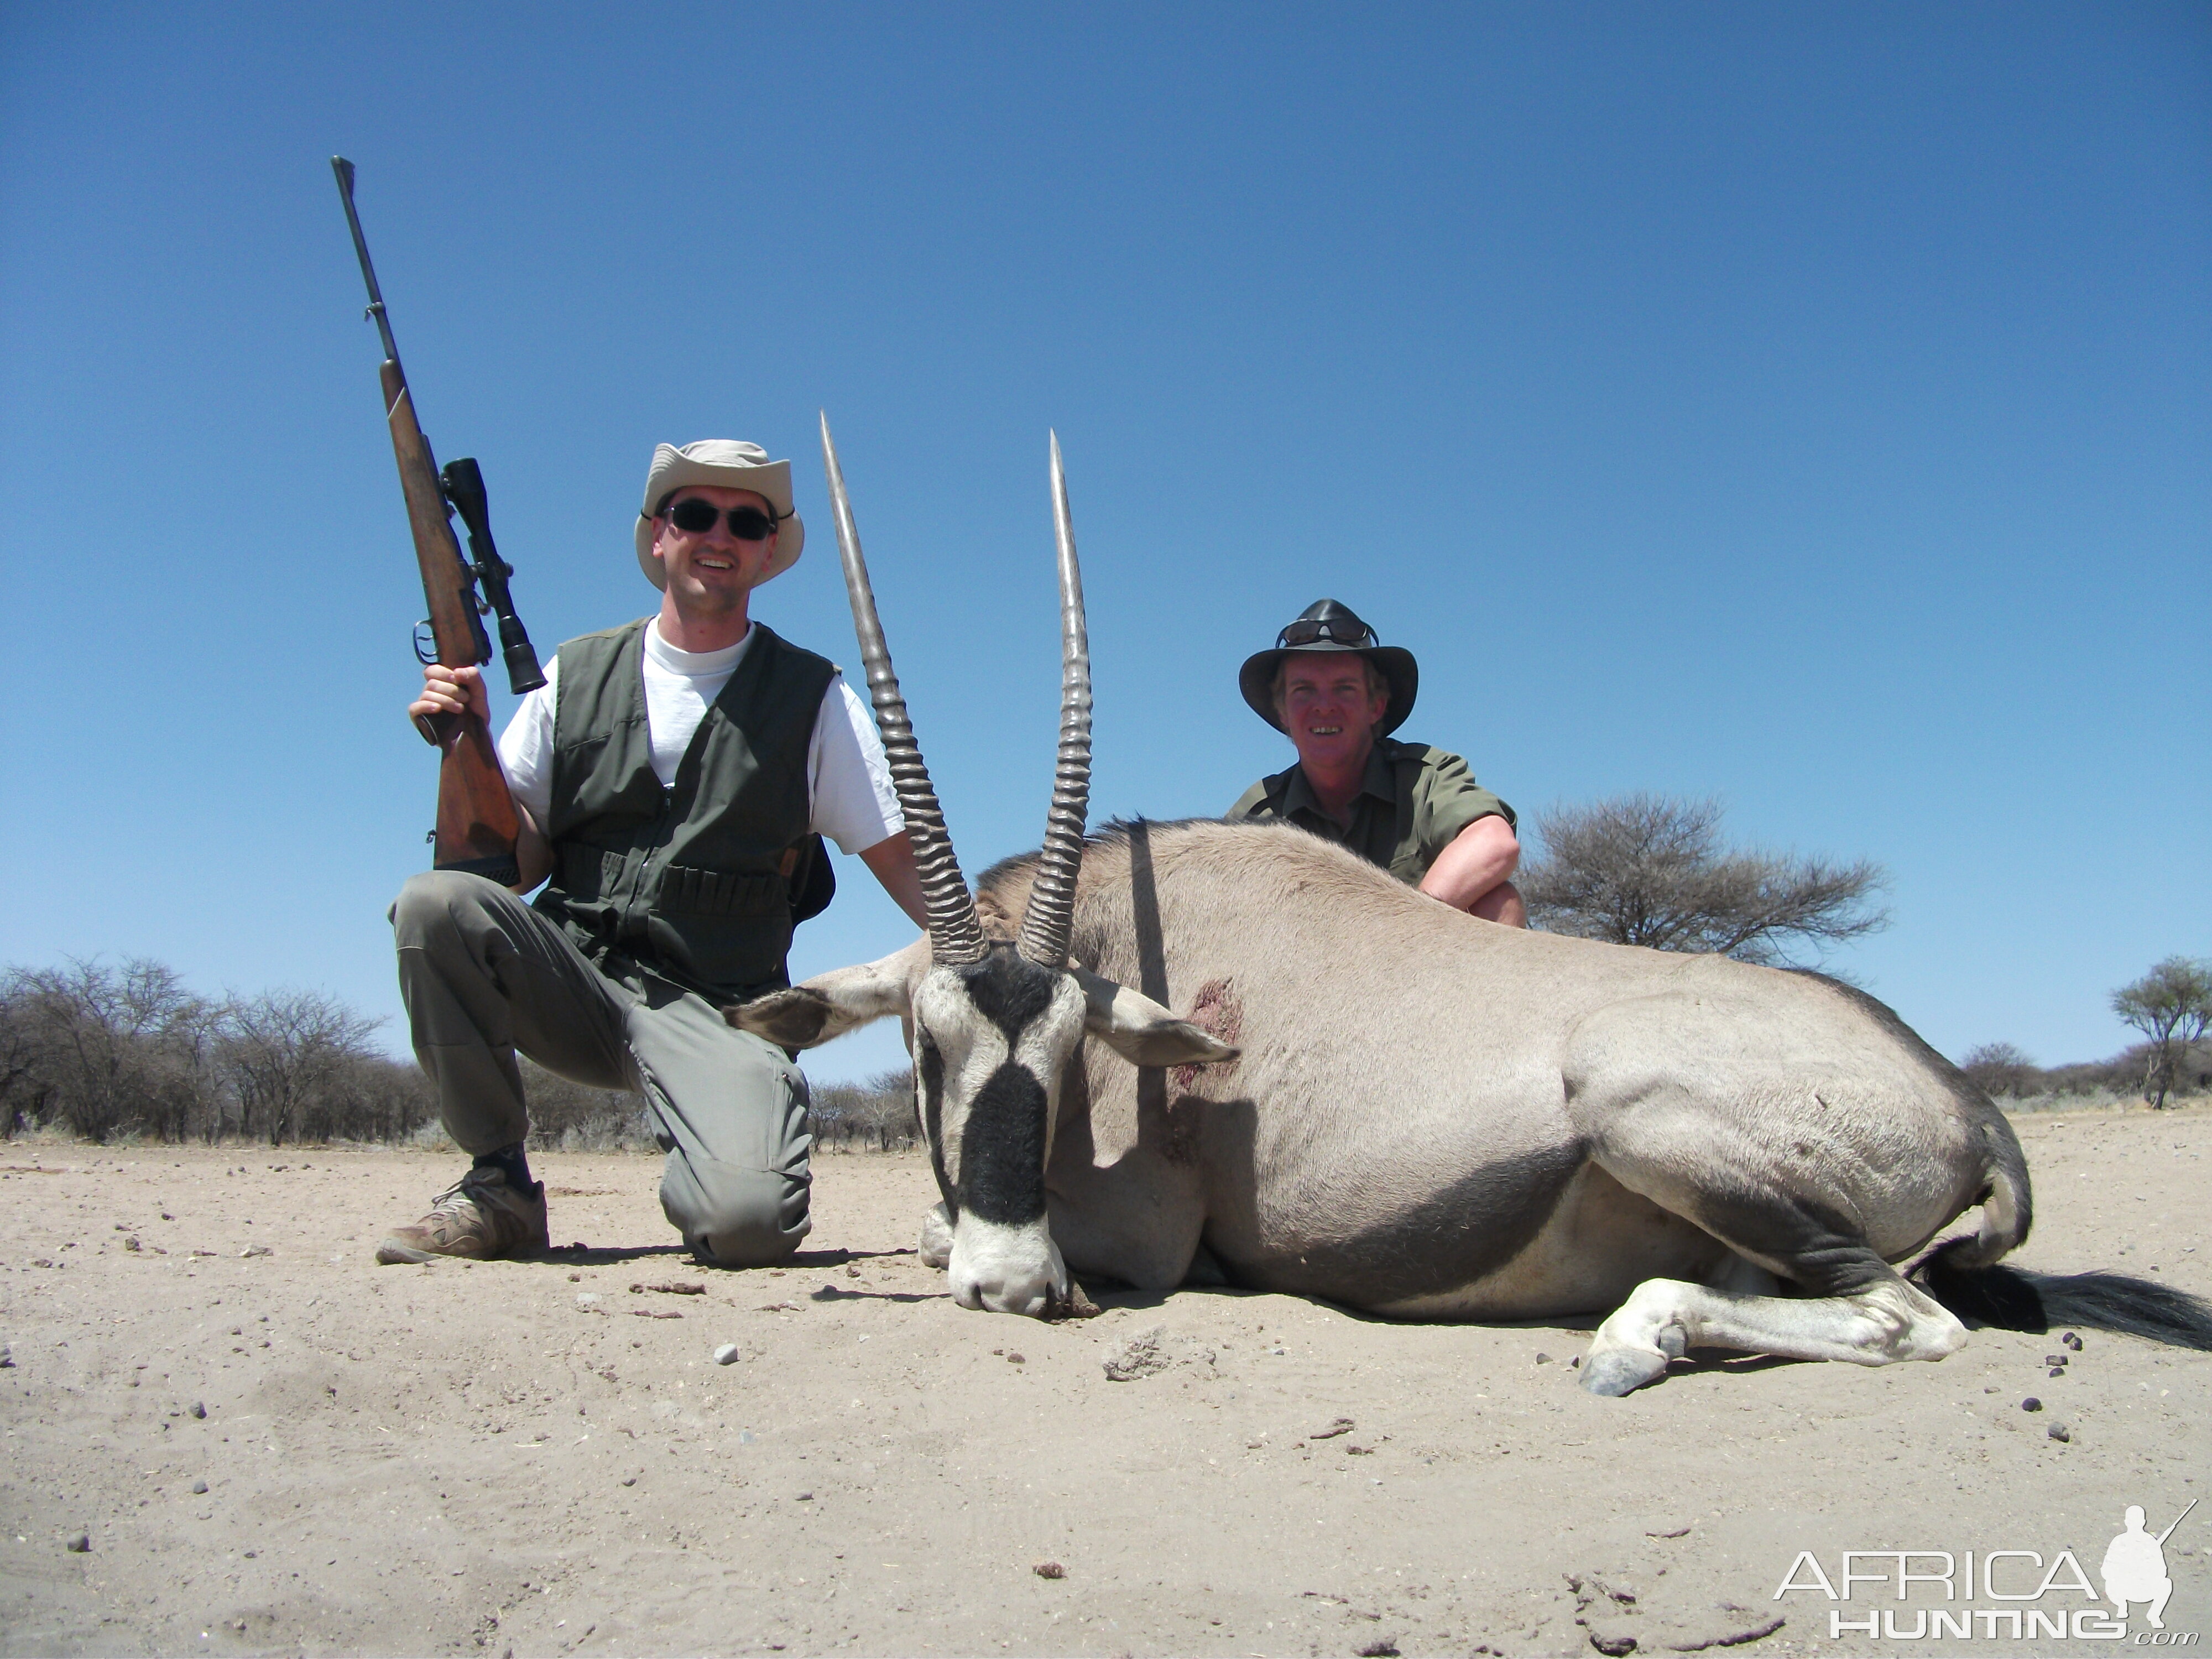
1413 801
694 881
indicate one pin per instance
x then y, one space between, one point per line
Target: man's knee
732 1217
433 904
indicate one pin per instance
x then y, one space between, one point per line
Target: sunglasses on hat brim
1357 635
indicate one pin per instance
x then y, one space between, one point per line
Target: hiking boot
480 1219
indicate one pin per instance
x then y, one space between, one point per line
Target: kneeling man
674 777
1417 812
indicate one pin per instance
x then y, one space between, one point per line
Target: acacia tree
2002 1068
22 1078
1651 869
109 1049
2171 1005
887 1111
881 1109
289 1057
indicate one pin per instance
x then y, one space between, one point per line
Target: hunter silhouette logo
2033 1595
2135 1567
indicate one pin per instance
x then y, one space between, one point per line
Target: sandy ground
505 1458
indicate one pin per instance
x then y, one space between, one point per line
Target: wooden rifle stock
477 823
477 826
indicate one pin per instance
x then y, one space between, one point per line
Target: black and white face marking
991 1039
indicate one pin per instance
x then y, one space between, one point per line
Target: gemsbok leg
1817 1173
1887 1319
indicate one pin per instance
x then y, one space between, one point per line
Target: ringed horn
956 936
1050 912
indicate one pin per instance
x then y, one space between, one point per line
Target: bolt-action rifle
476 822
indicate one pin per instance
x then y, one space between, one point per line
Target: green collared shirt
1411 804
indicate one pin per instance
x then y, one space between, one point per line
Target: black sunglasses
696 517
1335 630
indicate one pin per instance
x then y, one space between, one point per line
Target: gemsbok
1378 1100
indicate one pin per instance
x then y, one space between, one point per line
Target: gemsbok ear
829 1005
1141 1032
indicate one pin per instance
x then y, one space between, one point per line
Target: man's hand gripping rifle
477 821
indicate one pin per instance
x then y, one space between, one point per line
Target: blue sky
1806 404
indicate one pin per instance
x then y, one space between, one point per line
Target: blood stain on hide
1216 1011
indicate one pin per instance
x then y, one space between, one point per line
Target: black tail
2014 1301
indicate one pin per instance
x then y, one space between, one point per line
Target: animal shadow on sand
1725 1361
1112 1293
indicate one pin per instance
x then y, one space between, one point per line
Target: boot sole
392 1254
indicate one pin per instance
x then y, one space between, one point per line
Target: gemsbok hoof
1620 1371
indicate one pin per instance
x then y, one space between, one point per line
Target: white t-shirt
848 783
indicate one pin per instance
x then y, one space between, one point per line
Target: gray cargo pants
483 974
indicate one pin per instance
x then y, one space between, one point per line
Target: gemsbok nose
1016 1270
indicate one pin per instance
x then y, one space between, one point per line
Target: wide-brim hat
721 463
1335 628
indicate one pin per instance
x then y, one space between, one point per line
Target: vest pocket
684 891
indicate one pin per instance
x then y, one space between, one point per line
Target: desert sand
267 1443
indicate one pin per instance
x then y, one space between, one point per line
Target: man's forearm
533 853
891 861
1483 854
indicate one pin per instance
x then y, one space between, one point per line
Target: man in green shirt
1417 812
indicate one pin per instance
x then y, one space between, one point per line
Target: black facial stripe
1008 990
930 1076
1002 1148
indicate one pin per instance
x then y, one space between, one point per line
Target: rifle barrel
477 827
343 169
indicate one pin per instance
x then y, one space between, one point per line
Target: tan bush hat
720 463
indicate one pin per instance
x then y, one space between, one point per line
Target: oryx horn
955 934
1051 911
